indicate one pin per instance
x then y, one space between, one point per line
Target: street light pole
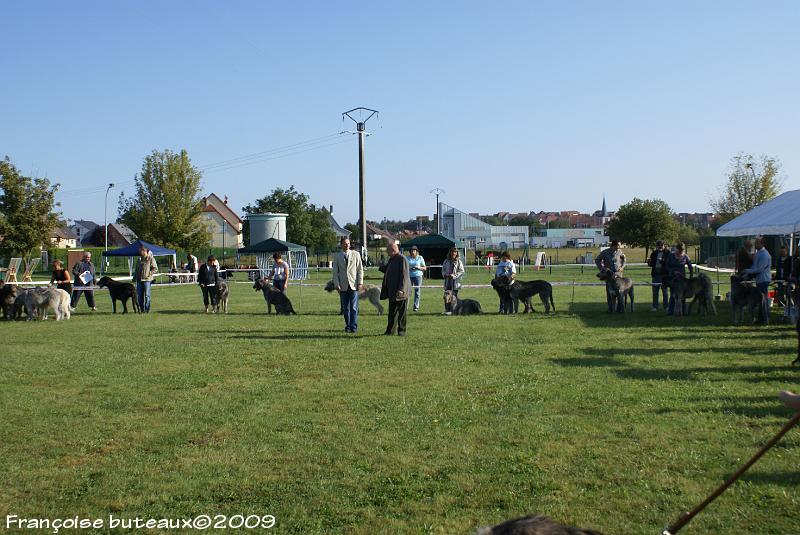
362 134
437 192
105 224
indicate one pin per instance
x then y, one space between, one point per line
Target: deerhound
121 291
223 292
699 289
38 301
274 297
618 290
525 290
370 292
744 295
461 307
533 525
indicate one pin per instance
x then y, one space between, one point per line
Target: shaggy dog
699 289
744 295
618 290
522 290
222 297
121 291
461 307
274 297
8 295
177 275
38 301
533 525
503 288
371 292
224 273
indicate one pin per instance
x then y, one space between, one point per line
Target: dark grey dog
223 292
525 290
533 525
274 298
8 295
461 307
618 291
744 295
370 292
502 285
698 289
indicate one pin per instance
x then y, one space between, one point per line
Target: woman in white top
279 273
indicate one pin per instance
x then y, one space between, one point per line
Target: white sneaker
654 309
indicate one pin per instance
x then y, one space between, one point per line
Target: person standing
761 271
658 271
611 259
417 268
61 277
783 273
677 265
191 263
279 273
452 272
744 258
208 279
348 280
83 273
396 287
505 268
146 270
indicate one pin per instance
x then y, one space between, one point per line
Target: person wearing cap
208 279
611 259
417 268
658 271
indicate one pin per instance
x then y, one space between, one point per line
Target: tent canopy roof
133 250
431 241
271 245
779 216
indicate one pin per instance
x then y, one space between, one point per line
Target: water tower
265 226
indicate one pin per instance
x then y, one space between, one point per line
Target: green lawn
613 422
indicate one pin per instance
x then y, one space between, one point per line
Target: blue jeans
280 284
349 302
143 295
763 287
660 279
416 281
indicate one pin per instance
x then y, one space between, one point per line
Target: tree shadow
302 336
785 479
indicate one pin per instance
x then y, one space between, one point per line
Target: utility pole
362 133
437 192
105 226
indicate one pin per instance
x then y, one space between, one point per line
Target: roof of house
124 231
221 207
85 223
340 231
372 229
64 233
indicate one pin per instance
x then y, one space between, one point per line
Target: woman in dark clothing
744 258
208 279
61 277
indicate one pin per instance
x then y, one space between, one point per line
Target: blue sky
507 106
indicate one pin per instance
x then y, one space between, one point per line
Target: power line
285 148
234 166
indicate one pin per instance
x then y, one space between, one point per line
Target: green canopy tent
293 254
434 248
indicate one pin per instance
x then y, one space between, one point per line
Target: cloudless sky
513 106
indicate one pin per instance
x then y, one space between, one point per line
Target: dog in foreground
461 307
38 301
618 290
120 291
533 525
223 292
370 292
8 295
744 296
274 298
513 291
698 289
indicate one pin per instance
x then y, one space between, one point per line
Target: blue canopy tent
132 251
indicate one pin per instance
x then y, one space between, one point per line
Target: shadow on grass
786 479
301 336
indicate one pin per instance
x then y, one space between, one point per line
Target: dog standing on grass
370 292
223 292
618 290
120 291
8 295
699 289
533 525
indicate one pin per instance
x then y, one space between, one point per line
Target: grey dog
274 297
461 307
699 289
370 292
38 301
223 292
744 295
533 525
618 290
525 290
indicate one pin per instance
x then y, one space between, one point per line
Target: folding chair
26 277
13 267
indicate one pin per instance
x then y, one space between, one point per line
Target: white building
477 234
223 223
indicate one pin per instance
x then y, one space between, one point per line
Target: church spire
603 211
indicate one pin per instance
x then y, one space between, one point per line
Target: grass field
617 423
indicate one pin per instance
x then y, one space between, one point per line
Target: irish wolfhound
274 298
223 292
699 289
8 295
525 290
533 525
618 290
502 285
38 301
370 292
744 295
461 307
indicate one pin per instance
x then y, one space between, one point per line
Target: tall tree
167 206
751 181
306 225
27 219
640 223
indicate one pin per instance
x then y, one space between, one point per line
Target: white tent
779 216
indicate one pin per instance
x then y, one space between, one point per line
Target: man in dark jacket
396 287
783 273
208 279
658 272
83 275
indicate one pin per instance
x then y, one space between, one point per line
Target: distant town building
337 229
63 237
571 237
697 220
223 223
82 228
474 233
119 235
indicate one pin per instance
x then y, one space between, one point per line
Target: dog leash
688 516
